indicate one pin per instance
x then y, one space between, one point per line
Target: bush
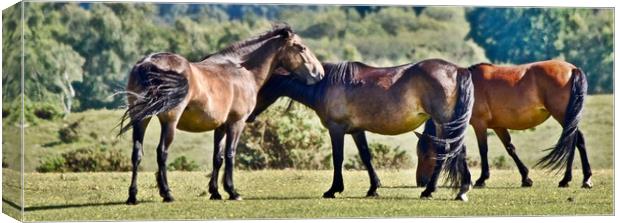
52 164
501 162
383 157
86 160
182 163
288 141
69 132
47 111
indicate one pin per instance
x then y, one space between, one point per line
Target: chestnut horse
522 97
354 98
217 93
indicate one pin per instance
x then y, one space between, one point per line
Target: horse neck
309 95
261 62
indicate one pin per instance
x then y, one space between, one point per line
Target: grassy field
296 194
289 193
99 127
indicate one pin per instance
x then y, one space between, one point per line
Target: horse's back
417 91
518 97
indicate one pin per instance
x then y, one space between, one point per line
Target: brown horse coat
521 97
217 93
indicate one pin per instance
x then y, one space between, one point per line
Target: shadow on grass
339 198
12 204
52 144
64 206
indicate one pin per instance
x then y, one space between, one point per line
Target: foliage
77 55
52 164
290 141
383 157
90 159
500 162
522 35
183 163
69 132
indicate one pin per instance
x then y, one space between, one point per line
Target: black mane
246 46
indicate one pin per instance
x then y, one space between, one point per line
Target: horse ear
286 33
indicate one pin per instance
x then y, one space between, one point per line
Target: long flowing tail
160 91
559 155
453 131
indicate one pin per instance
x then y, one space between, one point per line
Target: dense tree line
77 56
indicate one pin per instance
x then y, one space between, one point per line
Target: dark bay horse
217 93
354 98
522 97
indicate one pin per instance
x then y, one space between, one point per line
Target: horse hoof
527 183
168 199
372 194
215 197
479 184
329 195
461 197
587 184
235 197
131 201
563 184
426 196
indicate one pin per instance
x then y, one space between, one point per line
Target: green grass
42 139
296 194
280 194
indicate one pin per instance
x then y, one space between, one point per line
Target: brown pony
354 98
522 97
217 93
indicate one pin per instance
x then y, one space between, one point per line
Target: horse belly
199 121
395 123
523 119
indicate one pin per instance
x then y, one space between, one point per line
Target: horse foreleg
466 177
585 164
233 133
136 157
166 138
337 139
218 158
364 150
431 186
483 148
504 136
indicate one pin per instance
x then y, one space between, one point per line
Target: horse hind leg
139 129
587 171
504 136
168 127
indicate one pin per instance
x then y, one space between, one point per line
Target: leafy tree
522 35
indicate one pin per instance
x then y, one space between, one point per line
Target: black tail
453 131
565 148
160 91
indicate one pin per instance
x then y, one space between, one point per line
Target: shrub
182 163
500 162
4 163
86 160
288 141
383 157
47 111
69 132
52 164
